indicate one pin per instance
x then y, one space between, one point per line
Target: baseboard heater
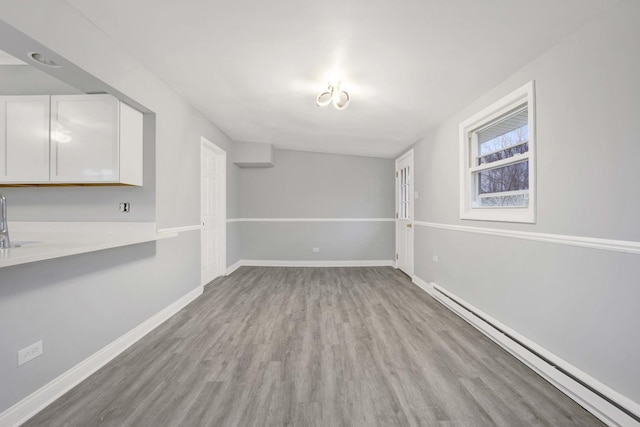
444 294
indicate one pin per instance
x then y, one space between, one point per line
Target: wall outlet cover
315 249
29 353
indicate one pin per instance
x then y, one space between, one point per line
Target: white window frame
521 97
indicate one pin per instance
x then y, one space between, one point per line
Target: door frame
221 203
413 174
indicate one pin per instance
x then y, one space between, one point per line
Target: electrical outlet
29 353
435 258
125 207
315 249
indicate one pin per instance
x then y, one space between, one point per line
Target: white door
404 212
213 209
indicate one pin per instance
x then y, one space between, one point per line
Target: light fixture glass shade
324 98
339 98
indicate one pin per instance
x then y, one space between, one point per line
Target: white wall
78 305
581 304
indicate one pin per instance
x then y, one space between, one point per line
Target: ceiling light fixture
41 59
339 98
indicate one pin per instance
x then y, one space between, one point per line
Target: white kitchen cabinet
24 139
95 139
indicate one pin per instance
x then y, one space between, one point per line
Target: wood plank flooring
314 347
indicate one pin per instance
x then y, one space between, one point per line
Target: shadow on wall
20 279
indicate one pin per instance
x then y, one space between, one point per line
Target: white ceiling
254 67
6 59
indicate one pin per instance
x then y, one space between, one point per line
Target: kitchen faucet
5 243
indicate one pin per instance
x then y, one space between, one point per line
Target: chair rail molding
625 246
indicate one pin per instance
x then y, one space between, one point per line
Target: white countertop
46 240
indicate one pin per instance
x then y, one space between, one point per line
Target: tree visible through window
503 185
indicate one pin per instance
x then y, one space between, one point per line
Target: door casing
221 209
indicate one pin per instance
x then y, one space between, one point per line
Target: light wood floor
314 346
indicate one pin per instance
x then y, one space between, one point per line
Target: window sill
521 215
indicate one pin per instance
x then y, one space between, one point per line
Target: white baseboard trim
291 263
311 220
588 399
234 267
38 400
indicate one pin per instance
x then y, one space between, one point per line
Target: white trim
407 153
311 220
518 158
503 194
221 204
38 400
60 239
425 286
524 95
179 229
234 267
297 263
591 401
625 246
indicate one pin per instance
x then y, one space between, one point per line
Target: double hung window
497 160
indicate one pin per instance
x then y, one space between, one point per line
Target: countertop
46 240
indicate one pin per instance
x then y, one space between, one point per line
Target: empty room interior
417 213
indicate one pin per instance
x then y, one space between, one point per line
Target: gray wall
27 80
580 304
234 249
80 304
314 185
337 241
77 305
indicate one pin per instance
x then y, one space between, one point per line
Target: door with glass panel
404 212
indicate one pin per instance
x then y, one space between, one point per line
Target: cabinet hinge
396 257
396 174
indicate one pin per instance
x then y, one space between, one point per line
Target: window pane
404 193
512 177
504 154
517 200
504 138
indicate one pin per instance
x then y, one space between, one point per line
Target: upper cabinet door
24 139
84 138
